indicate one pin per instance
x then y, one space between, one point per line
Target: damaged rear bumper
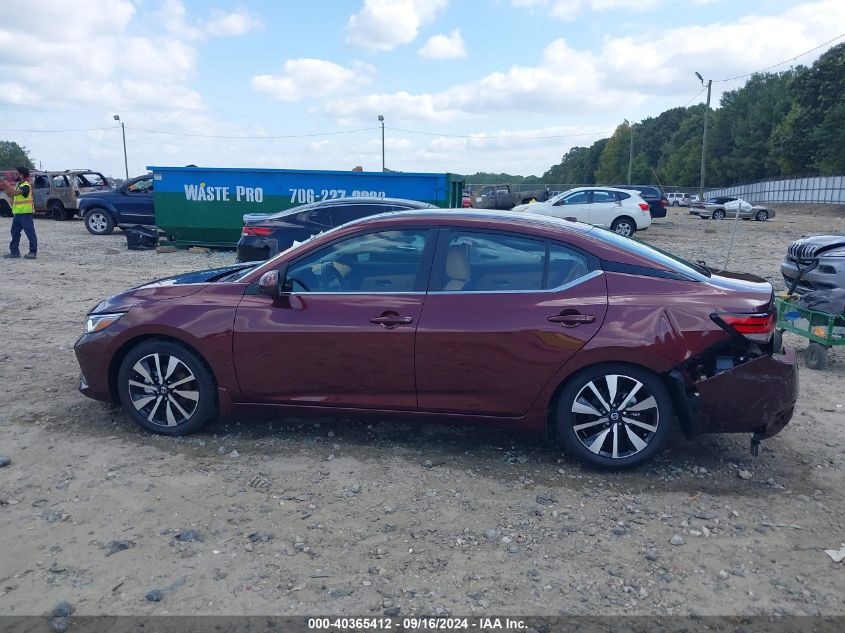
757 397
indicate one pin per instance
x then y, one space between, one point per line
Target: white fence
822 189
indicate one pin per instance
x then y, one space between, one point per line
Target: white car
620 210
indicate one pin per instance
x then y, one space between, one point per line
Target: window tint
603 196
622 196
565 265
477 262
579 197
386 261
342 215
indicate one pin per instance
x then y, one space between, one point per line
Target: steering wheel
332 276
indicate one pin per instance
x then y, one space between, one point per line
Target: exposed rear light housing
757 327
663 203
258 231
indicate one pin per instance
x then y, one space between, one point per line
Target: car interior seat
457 268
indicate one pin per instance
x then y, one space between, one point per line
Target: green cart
822 329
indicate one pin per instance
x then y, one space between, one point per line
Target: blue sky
502 85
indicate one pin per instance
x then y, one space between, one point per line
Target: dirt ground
290 516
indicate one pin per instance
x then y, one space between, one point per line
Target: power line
695 96
786 61
258 137
491 136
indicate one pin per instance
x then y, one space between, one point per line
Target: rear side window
493 262
341 215
603 196
622 196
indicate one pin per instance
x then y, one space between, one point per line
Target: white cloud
303 78
571 9
382 25
449 46
234 24
623 73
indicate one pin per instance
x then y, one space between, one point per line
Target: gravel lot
290 516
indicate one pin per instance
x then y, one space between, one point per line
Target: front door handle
571 319
391 320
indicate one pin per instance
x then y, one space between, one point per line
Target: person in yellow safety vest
23 208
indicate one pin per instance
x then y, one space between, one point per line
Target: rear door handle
571 320
391 320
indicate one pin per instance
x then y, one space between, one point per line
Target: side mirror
271 282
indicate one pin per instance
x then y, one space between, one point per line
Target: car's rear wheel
761 216
675 203
614 416
718 214
167 388
816 356
624 226
99 222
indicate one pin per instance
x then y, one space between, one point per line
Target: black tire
650 424
56 210
815 356
777 343
99 222
762 215
5 209
174 412
675 203
718 214
624 225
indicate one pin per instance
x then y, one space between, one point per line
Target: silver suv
677 199
815 263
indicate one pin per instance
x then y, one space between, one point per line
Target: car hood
814 246
168 288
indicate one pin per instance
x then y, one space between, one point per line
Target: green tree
13 155
613 164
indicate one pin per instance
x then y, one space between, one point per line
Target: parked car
621 211
823 259
678 199
727 207
264 236
56 193
128 205
509 319
655 198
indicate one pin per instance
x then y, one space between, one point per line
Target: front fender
98 203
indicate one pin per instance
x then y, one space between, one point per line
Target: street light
123 130
381 118
704 139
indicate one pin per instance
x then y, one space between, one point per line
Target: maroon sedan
498 318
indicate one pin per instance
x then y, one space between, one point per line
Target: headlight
97 322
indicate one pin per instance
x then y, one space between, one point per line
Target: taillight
644 206
754 327
662 203
257 231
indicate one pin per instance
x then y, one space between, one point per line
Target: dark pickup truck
128 205
505 197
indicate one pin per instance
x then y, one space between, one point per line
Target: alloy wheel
163 389
624 228
615 416
97 222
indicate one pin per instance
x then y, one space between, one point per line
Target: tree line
777 124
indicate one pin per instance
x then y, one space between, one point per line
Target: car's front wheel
624 226
167 388
99 222
761 216
614 416
718 214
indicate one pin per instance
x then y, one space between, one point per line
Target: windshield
673 262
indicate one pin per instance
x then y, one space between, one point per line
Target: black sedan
264 236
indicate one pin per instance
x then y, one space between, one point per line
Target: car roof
601 188
501 220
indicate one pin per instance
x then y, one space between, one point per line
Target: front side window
385 261
579 197
141 186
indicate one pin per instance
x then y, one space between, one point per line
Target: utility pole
704 138
381 118
630 152
123 130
